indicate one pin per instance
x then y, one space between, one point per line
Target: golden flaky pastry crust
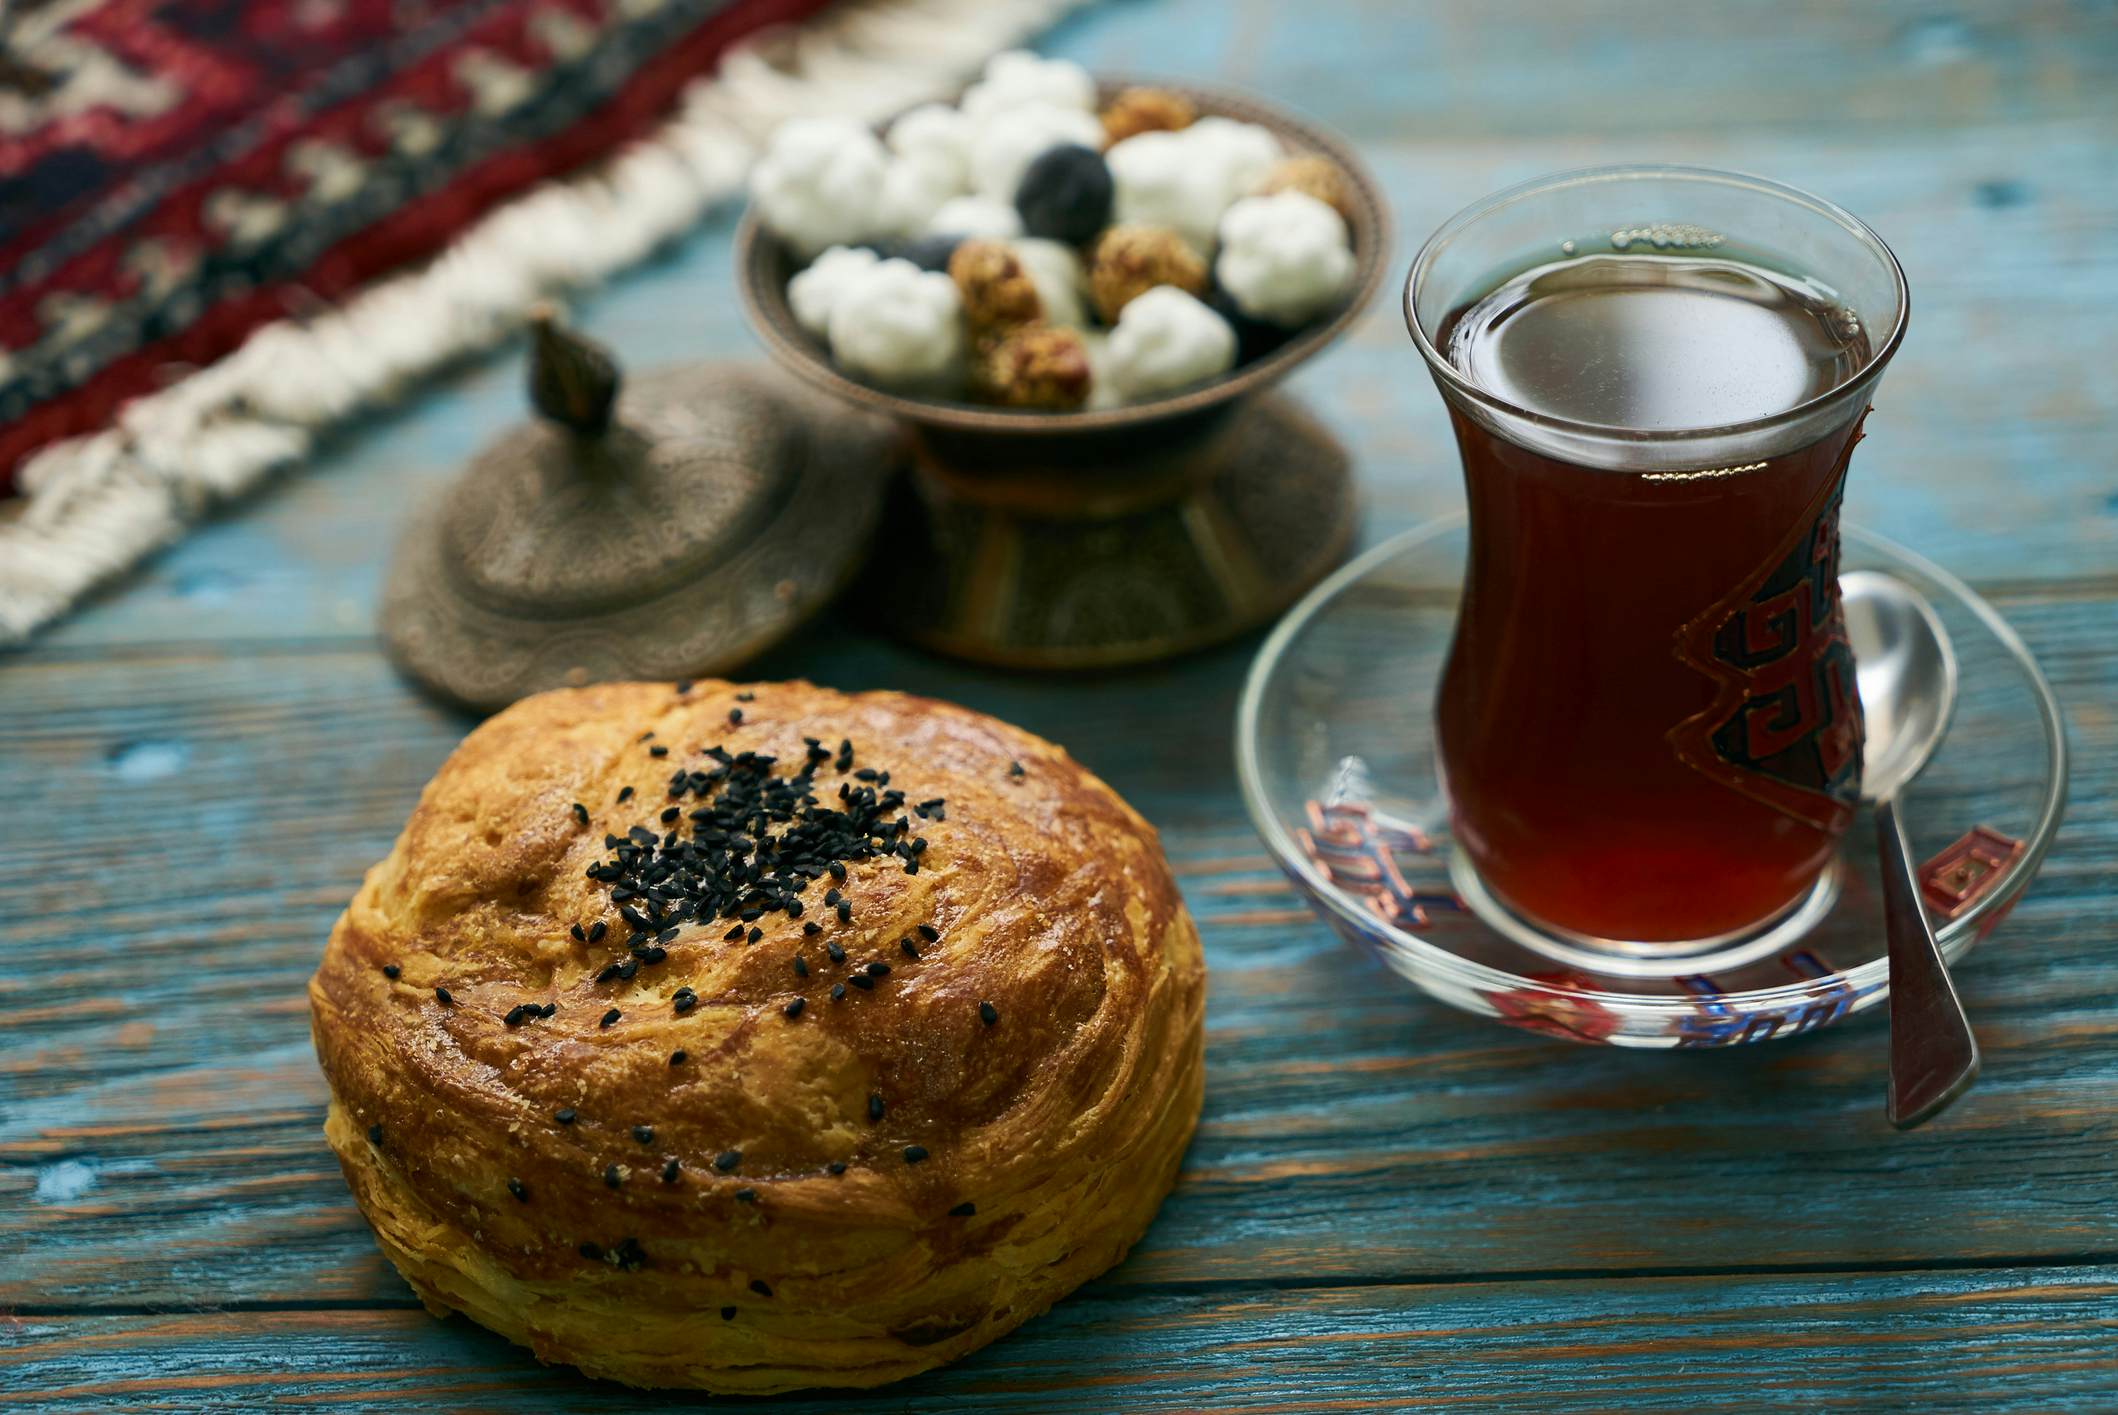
1061 1122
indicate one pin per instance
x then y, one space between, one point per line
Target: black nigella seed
668 935
654 954
683 685
845 912
592 1251
624 794
597 930
757 1285
832 896
727 1160
645 1134
963 1210
838 954
878 969
754 935
441 995
686 1001
580 934
727 1314
838 992
514 1186
629 967
861 981
801 966
988 1014
930 933
547 1009
733 934
671 814
580 813
375 1134
915 1153
671 1170
606 972
746 1196
676 1058
612 1176
911 950
735 717
875 1105
658 750
794 1008
836 1167
812 928
1015 769
391 970
838 872
793 907
610 1017
514 1016
564 1115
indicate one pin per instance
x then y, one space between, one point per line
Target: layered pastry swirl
753 1038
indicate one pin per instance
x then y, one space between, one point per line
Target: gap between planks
1128 1292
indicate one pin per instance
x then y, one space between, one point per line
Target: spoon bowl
1907 672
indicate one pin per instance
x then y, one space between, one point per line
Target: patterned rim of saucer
1334 756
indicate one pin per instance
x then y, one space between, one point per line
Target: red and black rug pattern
174 173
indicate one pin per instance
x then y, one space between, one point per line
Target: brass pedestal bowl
1069 540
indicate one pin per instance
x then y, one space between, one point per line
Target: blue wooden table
1388 1204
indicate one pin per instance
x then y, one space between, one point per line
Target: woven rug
226 225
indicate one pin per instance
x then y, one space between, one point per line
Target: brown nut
1131 260
1032 366
998 293
1145 110
1317 177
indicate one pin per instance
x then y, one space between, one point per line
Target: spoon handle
1933 1056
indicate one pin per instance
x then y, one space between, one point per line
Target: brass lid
672 527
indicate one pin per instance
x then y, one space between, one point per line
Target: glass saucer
1335 753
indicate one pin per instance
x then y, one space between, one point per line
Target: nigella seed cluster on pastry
687 1038
1026 249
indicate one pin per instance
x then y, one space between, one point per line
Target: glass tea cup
1648 726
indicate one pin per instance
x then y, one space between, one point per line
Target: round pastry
754 1039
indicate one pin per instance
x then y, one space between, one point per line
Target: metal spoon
1907 674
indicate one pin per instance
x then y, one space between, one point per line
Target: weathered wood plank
1969 1340
159 1108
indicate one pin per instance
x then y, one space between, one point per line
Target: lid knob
573 380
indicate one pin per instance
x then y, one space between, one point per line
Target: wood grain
2000 1340
1388 1204
157 1048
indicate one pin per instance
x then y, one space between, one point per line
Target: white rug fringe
98 504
